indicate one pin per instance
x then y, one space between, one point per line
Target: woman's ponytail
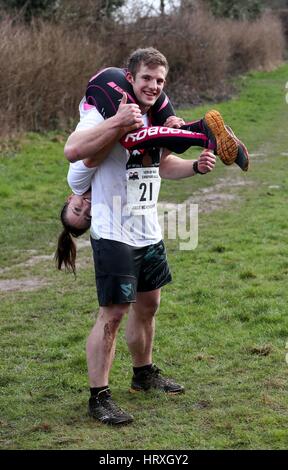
66 248
66 251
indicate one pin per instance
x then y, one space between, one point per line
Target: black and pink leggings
105 90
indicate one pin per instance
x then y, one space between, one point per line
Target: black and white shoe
103 408
152 379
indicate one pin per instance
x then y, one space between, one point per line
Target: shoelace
110 404
155 371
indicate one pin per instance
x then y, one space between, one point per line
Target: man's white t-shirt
124 196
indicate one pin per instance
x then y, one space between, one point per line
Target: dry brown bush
202 50
45 67
283 16
194 44
45 70
198 54
257 45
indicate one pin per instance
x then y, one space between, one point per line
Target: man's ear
70 197
129 77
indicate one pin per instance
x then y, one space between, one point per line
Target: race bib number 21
143 186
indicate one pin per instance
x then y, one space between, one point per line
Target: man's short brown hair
148 56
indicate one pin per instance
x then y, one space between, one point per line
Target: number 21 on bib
143 186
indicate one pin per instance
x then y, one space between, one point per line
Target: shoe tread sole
227 147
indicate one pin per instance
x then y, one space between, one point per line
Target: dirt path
32 283
215 197
218 196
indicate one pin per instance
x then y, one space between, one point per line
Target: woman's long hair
66 248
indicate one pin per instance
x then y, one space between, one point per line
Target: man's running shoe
151 379
242 158
103 408
226 144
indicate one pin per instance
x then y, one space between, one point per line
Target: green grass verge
222 327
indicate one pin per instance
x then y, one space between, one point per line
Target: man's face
79 210
147 85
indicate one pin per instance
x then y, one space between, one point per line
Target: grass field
222 328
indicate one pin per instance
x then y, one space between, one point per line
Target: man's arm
93 144
174 168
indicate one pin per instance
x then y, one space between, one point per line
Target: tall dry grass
257 45
198 53
44 71
45 67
